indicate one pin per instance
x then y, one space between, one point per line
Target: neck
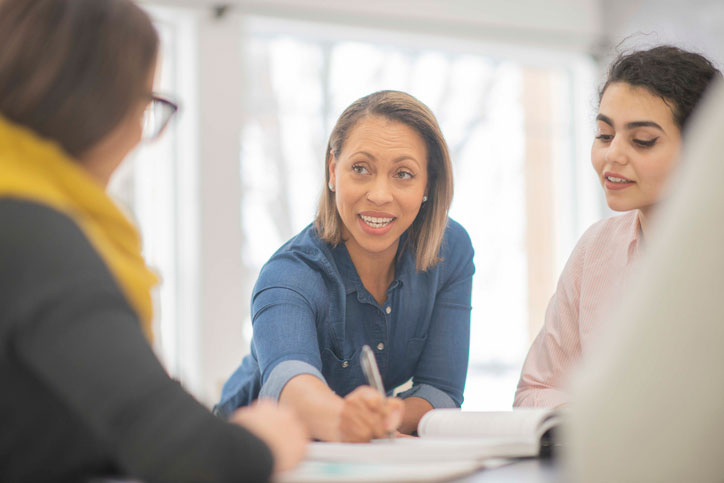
95 162
375 270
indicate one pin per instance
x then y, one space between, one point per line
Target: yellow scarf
39 170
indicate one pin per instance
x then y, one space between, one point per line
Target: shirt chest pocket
342 375
413 352
414 349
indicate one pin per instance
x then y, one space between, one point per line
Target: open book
455 435
451 443
517 433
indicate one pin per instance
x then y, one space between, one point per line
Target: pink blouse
599 265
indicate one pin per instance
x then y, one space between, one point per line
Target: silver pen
372 373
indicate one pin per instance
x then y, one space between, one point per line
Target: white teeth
617 180
376 222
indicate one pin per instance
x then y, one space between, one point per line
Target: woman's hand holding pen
367 414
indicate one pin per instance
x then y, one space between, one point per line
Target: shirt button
380 346
388 309
345 364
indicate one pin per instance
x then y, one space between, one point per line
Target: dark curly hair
679 77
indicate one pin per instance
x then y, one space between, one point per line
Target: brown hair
427 230
679 77
71 70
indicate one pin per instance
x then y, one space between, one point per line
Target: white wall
564 24
693 25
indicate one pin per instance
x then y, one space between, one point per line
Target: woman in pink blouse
643 108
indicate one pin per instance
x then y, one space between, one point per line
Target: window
158 186
518 123
516 128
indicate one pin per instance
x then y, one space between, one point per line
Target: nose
379 191
616 152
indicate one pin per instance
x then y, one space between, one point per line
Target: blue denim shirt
312 315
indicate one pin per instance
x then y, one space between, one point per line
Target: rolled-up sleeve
285 332
283 373
438 399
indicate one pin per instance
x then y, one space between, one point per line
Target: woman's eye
359 169
405 175
645 143
604 137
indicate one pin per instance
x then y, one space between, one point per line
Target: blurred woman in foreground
82 392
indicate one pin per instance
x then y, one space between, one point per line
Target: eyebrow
396 160
630 125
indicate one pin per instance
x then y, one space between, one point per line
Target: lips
375 223
614 181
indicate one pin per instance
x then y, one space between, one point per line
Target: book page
525 425
408 450
448 435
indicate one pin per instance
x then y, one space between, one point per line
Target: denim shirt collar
350 277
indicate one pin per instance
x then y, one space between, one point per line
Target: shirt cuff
281 375
437 398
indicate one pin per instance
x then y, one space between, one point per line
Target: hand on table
279 428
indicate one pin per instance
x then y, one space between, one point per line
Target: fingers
280 430
403 435
362 415
395 411
367 415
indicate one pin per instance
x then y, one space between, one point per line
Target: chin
619 203
618 209
376 246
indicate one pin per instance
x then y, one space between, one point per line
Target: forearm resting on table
316 405
415 409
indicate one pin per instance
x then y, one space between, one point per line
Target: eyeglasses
157 115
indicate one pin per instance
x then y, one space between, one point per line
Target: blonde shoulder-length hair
426 232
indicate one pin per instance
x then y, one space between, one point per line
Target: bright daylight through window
509 141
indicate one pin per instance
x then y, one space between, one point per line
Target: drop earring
424 198
331 186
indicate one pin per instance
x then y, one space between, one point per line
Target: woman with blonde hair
382 265
83 394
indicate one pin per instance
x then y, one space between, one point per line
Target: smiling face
636 147
379 180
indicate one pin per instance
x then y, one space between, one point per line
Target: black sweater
81 392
